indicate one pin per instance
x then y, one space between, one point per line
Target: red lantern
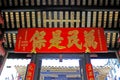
119 52
2 51
1 19
2 40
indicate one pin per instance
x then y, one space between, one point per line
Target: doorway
61 66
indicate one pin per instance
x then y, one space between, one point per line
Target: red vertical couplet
89 72
30 71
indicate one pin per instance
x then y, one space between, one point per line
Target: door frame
84 59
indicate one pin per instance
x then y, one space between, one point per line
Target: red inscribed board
60 40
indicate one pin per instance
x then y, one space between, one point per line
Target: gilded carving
38 40
56 40
73 39
90 40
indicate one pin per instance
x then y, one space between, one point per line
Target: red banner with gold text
89 72
30 71
57 40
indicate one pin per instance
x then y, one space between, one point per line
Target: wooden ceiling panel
105 19
10 3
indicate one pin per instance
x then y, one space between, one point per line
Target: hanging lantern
1 19
60 58
2 40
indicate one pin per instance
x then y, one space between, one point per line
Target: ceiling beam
59 8
111 30
109 50
92 55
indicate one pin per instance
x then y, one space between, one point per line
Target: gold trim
100 40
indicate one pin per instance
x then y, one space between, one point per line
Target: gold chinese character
28 78
89 68
73 39
90 74
38 40
56 40
29 73
90 40
30 68
91 78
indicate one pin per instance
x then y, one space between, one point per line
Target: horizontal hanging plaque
61 40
